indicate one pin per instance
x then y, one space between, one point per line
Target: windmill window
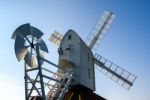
68 49
69 37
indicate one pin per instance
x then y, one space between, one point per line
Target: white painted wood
81 57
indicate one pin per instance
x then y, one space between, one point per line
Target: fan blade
28 58
15 34
23 30
36 32
21 52
34 61
42 45
31 60
116 73
20 49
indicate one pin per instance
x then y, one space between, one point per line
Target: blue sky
126 43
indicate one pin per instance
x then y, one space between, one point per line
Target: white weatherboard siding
76 51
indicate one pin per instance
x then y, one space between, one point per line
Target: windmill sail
101 27
116 73
56 38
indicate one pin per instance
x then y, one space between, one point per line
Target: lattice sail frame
100 29
114 72
56 38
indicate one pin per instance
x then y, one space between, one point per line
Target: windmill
73 51
75 77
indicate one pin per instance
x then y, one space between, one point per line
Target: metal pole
26 82
40 74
